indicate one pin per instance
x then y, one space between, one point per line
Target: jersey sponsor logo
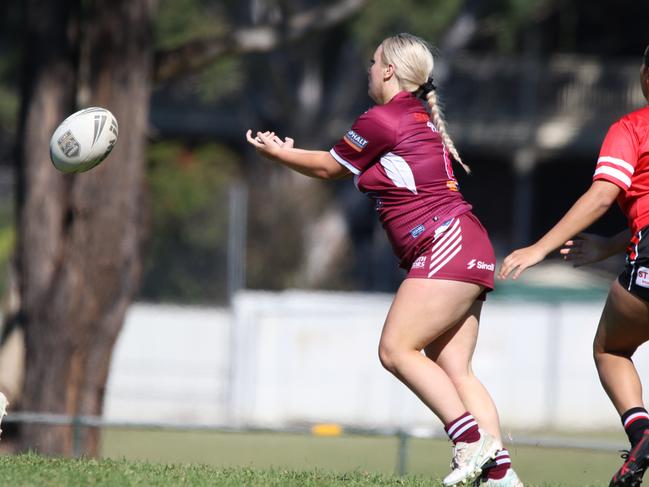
642 278
483 266
355 141
421 116
418 230
420 263
452 185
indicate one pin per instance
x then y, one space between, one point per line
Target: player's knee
603 352
390 353
387 356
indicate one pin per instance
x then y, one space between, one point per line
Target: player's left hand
519 260
268 143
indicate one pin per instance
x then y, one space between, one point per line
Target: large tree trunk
79 236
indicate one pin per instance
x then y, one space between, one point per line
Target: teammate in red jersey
622 173
401 157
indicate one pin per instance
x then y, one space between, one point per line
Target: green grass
286 454
33 470
163 458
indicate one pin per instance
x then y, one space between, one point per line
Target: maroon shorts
460 250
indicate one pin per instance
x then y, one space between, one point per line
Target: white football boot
468 459
509 480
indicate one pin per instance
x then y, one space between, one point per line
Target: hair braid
438 120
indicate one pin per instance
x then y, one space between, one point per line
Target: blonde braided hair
413 63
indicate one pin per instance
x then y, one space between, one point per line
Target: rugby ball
83 140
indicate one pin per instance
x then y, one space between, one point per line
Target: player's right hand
519 260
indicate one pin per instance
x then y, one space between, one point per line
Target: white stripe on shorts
446 234
455 252
447 244
444 249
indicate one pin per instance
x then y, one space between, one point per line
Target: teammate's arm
587 210
315 164
587 248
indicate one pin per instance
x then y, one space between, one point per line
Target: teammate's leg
623 327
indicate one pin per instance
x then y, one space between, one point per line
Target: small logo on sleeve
355 141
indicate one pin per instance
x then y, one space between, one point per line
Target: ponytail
438 120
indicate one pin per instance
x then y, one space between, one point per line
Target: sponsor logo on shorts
355 141
452 185
418 230
642 278
483 266
420 263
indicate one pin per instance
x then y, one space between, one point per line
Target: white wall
284 358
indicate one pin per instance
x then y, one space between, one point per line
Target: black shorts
635 277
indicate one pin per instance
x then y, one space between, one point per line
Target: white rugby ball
83 140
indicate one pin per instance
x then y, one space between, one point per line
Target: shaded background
529 89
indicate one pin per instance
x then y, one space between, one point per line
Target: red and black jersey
624 161
398 158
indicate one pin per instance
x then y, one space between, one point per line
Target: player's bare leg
422 311
453 352
623 327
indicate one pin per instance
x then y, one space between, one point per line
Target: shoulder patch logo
355 141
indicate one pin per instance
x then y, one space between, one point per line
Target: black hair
646 57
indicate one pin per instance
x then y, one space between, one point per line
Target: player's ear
388 71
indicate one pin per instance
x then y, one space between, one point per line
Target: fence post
76 436
402 459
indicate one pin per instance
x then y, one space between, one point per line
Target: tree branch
195 55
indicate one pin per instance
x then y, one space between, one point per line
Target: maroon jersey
398 158
624 161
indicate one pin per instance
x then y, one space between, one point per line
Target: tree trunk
80 235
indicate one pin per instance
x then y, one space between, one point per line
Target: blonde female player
622 173
401 157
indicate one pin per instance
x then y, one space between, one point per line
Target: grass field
35 471
346 460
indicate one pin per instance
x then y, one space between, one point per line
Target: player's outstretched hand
585 248
519 260
268 144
